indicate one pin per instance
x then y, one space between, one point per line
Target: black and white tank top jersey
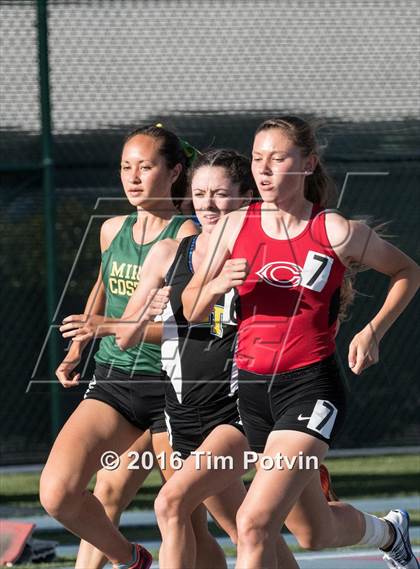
197 358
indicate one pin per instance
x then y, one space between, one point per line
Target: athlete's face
278 166
214 195
144 172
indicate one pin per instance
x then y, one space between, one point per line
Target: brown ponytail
320 187
348 290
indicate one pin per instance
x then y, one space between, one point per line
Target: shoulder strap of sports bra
181 257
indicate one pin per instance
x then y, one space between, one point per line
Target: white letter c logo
270 273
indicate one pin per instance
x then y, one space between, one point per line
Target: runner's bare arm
95 305
147 298
354 241
187 228
217 273
153 332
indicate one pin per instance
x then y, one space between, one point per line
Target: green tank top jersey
121 264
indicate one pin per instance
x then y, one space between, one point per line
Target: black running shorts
311 399
138 398
189 426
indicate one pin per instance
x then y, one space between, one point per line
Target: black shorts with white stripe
311 399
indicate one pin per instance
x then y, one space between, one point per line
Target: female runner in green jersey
125 397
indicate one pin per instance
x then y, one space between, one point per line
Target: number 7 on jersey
316 270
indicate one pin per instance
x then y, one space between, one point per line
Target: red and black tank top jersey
288 306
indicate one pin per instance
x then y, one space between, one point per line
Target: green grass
367 477
352 478
375 476
20 491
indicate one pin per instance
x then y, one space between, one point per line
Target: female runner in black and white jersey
201 400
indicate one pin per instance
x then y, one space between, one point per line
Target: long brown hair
348 290
319 186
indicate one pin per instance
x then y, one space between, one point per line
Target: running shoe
326 484
400 556
143 560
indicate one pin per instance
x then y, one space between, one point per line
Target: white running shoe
401 555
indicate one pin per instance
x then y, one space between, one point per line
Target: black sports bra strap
180 257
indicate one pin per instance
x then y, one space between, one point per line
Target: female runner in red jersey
287 256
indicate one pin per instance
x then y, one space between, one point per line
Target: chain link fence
211 70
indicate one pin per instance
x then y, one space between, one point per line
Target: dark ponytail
320 187
348 290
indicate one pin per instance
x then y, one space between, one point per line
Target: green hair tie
190 152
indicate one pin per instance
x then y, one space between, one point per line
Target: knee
110 495
169 504
251 529
57 498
